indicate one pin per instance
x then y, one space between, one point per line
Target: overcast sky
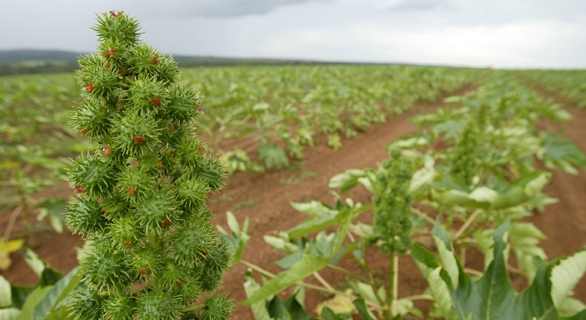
488 33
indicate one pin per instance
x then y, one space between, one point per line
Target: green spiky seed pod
141 195
464 155
392 220
482 117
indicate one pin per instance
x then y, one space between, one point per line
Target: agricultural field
486 168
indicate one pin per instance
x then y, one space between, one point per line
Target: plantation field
284 132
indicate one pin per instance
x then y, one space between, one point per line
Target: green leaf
347 180
273 156
409 143
290 260
404 306
9 314
258 309
450 127
562 153
339 304
565 276
453 99
494 293
57 294
47 275
334 141
429 266
441 293
19 295
571 307
328 314
448 259
281 244
525 238
423 177
363 310
287 309
313 208
518 192
302 269
233 223
5 293
492 296
320 223
484 195
28 309
36 263
365 291
62 313
239 237
53 207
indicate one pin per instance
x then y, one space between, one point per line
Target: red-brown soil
264 199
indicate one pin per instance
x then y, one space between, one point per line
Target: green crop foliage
568 84
141 193
392 222
474 190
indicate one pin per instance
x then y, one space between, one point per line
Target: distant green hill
42 55
37 61
53 61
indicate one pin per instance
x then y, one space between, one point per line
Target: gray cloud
523 33
421 5
231 8
216 8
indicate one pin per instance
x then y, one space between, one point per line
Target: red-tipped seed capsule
138 139
131 191
107 150
110 53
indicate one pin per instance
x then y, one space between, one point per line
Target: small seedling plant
141 195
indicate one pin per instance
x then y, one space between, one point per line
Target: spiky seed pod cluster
141 196
482 117
392 220
464 155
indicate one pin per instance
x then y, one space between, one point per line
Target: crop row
278 110
570 84
465 180
284 109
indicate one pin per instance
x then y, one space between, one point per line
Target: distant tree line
15 62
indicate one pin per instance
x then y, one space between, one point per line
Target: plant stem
27 214
371 281
11 222
350 273
419 297
393 285
257 268
423 215
467 224
308 285
473 272
463 255
513 269
323 282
